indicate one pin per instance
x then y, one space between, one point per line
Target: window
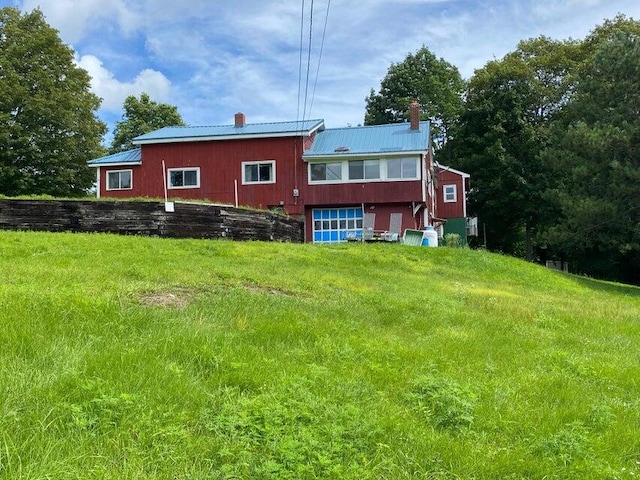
325 172
184 177
119 180
364 169
332 225
379 169
450 194
259 172
402 168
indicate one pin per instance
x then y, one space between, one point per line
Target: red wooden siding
367 192
220 165
450 209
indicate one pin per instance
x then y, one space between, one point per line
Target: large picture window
184 177
369 170
119 180
259 172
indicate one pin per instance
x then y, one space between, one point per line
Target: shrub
452 240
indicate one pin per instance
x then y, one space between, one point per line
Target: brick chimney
414 115
240 119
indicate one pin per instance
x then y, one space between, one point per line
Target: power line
324 33
306 87
300 60
309 101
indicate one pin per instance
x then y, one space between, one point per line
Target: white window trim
455 193
259 162
364 161
345 172
342 172
109 172
401 179
182 169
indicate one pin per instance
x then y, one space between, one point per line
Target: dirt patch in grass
177 298
266 289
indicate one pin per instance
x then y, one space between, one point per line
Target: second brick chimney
414 115
240 119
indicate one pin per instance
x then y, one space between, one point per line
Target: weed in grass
443 402
240 323
569 443
289 433
601 416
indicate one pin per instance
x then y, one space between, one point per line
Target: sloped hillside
143 358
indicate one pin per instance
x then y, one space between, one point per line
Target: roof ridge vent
341 149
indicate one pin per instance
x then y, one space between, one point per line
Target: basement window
119 180
184 177
259 172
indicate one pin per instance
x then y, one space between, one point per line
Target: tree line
550 135
48 116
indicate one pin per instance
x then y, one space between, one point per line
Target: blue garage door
337 224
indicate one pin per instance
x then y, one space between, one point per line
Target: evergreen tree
596 158
509 107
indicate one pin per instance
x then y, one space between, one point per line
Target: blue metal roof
132 157
376 139
226 132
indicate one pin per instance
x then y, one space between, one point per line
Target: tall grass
130 358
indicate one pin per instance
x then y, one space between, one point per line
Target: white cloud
113 92
76 19
212 58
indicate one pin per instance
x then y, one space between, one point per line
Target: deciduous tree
48 126
142 116
434 83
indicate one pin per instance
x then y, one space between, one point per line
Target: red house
344 182
451 205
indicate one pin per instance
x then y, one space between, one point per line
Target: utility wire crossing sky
213 58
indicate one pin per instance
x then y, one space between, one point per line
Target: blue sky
213 58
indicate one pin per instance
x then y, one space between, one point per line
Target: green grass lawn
146 358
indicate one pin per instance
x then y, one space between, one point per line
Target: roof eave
236 136
452 170
346 156
113 164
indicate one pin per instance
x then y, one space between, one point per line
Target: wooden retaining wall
188 220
